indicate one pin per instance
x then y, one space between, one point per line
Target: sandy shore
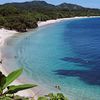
40 23
43 23
5 34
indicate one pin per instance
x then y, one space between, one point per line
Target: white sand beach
43 23
48 22
5 34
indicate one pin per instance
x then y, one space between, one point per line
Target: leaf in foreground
42 98
13 89
12 76
2 81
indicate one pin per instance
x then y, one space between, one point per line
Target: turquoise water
65 54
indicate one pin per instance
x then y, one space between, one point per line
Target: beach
43 23
48 22
5 34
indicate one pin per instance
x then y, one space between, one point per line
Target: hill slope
22 16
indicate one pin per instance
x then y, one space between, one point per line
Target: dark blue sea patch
76 60
91 77
84 39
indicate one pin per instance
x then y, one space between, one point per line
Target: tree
20 23
2 21
8 10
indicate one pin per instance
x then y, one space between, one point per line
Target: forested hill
23 16
42 4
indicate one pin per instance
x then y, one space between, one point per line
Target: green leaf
51 96
13 89
42 98
2 81
60 96
12 76
5 98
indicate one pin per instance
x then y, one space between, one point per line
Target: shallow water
65 54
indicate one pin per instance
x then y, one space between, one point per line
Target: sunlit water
65 54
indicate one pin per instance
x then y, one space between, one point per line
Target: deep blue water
84 38
65 54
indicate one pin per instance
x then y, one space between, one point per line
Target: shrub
51 96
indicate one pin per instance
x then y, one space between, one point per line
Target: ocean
66 54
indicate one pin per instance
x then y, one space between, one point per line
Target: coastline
5 34
48 22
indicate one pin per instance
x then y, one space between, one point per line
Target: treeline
24 16
13 19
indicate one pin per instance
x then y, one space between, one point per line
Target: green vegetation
24 16
51 96
13 19
7 92
9 97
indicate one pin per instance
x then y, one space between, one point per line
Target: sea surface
66 54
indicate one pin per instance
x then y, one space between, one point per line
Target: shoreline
5 34
48 22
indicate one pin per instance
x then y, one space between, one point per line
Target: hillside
70 6
22 16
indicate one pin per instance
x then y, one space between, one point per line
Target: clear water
65 54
